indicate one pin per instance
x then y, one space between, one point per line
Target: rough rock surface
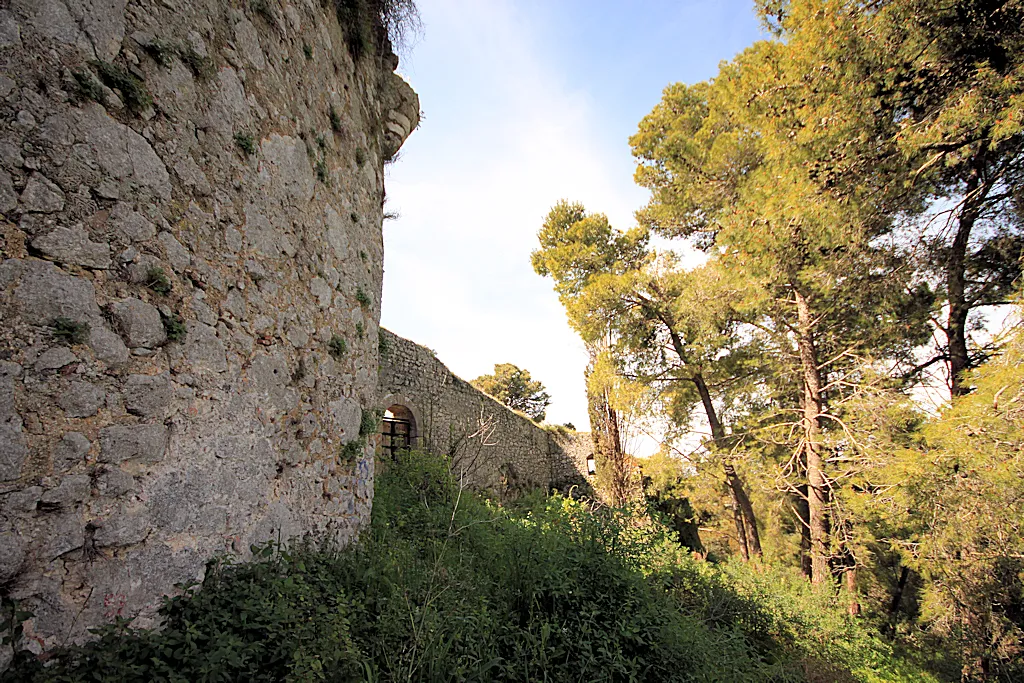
201 249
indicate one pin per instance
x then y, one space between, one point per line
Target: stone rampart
492 446
191 196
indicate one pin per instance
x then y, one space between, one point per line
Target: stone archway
400 428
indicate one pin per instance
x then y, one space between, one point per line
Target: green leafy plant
362 298
157 280
201 66
175 329
161 51
134 93
307 50
362 255
383 344
332 114
444 581
360 157
89 87
359 330
370 421
69 332
245 142
351 451
322 173
337 347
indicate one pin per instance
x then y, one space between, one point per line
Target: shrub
69 332
321 171
337 347
360 156
332 114
175 328
370 421
362 298
200 65
161 51
135 95
157 280
447 586
88 87
245 142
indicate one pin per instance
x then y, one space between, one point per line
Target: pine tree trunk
956 281
746 522
613 471
817 485
803 515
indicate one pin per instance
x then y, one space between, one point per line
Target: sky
526 102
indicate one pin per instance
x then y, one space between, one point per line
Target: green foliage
201 66
360 332
370 421
69 332
135 95
264 9
88 87
514 387
360 157
175 328
383 345
161 51
362 298
337 347
446 586
307 50
157 280
322 173
245 142
352 450
369 23
335 119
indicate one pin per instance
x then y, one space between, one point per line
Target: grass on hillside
447 586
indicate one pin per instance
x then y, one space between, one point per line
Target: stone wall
492 446
191 197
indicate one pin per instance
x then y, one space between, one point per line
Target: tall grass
448 586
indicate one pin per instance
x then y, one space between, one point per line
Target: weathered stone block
55 358
12 554
45 293
73 489
12 439
41 195
145 443
70 451
114 482
81 399
72 245
204 350
139 323
147 396
107 346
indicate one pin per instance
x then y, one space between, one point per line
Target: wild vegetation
447 586
855 186
514 387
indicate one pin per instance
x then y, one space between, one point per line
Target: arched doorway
398 430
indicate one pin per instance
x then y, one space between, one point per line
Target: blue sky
526 103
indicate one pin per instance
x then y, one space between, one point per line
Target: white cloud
504 138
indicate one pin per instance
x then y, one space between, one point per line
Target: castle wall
190 286
490 445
